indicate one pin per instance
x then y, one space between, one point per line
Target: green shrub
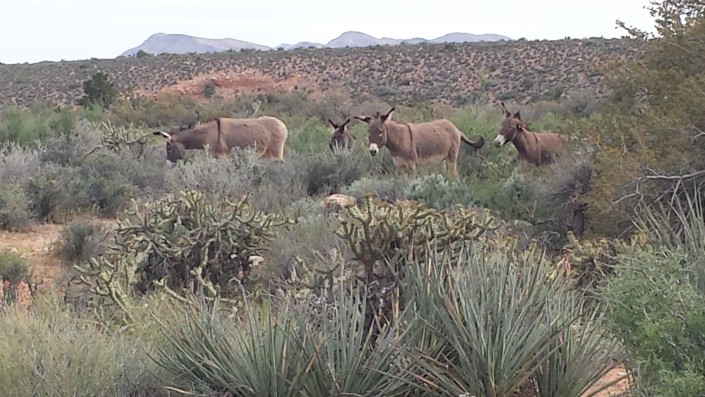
28 127
390 187
53 351
299 245
437 192
13 267
46 195
656 299
15 213
328 173
82 240
659 315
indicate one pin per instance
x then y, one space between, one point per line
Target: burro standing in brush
410 144
537 148
265 134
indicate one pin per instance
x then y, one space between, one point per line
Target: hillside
163 43
449 73
160 43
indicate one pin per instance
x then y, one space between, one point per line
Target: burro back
412 144
265 134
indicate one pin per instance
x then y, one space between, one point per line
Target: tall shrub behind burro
181 243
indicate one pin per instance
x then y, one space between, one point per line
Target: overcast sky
38 30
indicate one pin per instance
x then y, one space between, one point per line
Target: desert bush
18 164
438 192
82 240
68 150
15 212
272 186
650 141
27 127
53 351
299 245
655 299
392 187
328 173
13 267
657 312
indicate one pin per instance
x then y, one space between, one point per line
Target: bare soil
229 84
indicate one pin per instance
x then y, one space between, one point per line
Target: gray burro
266 135
412 144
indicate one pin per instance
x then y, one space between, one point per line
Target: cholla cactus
181 242
377 231
115 139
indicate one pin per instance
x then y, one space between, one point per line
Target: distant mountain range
160 43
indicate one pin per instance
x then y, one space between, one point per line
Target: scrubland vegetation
511 281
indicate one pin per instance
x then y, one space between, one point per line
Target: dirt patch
230 84
35 246
617 389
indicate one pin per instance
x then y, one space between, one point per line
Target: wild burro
340 137
412 144
266 135
535 148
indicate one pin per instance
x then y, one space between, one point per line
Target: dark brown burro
265 134
533 147
340 137
411 144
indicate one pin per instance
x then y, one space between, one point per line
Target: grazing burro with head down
265 134
532 147
410 144
340 137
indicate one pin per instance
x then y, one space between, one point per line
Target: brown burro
533 147
265 134
340 137
411 144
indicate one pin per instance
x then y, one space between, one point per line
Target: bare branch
656 175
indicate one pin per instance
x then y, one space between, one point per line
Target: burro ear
333 123
506 111
162 133
345 123
366 119
517 115
388 115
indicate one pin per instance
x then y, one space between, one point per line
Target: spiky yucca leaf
492 317
585 352
679 226
348 362
260 357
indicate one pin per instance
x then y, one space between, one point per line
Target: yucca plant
260 356
349 362
679 226
491 324
583 353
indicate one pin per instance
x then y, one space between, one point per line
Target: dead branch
656 175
